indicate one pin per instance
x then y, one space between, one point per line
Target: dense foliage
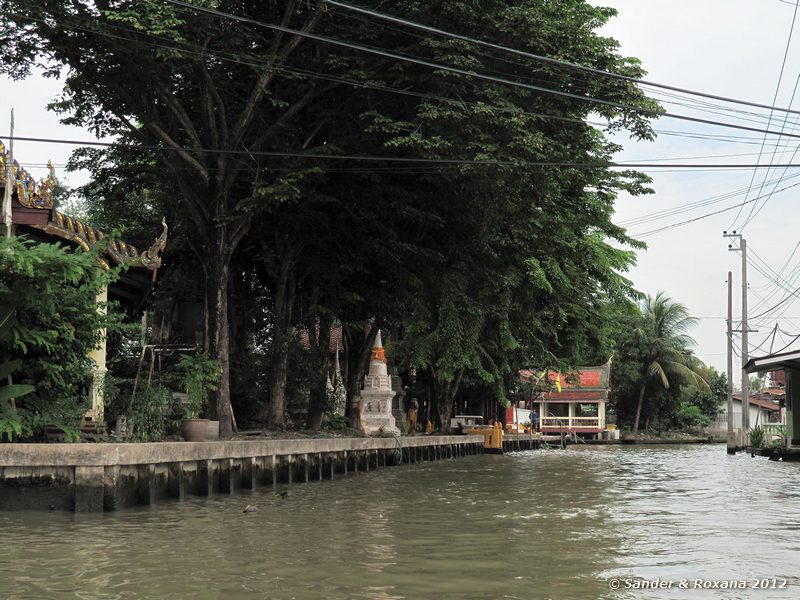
655 376
53 293
504 257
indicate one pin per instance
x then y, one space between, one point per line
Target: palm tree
667 357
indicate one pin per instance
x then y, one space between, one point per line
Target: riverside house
789 364
575 402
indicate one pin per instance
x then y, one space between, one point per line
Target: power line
789 344
546 59
780 282
439 66
774 99
355 83
756 266
454 161
705 216
200 52
689 102
656 216
771 334
693 103
769 310
789 279
249 61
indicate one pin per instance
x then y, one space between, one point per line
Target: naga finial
150 258
46 188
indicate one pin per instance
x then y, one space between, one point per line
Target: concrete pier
89 478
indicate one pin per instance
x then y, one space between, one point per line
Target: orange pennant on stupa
377 350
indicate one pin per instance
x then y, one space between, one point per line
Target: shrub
690 416
147 413
53 292
756 437
201 375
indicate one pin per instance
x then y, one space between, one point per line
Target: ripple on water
549 524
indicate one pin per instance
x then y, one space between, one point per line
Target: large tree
666 360
514 255
194 86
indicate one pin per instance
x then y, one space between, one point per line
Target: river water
558 524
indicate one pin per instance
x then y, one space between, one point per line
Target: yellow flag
558 382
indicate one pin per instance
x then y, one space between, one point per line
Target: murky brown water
547 524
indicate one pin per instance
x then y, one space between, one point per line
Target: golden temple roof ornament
150 258
86 236
29 193
33 195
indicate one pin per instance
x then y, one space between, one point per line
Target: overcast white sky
730 48
727 47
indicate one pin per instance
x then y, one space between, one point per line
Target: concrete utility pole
745 330
10 180
745 347
731 440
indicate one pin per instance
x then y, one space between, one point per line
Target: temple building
575 403
34 214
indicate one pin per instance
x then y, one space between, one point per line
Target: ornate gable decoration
86 236
33 195
30 194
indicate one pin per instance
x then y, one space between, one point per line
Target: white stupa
377 394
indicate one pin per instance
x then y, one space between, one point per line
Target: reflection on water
547 524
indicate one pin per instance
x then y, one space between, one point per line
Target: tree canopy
357 188
655 363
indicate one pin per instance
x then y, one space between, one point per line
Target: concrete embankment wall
98 477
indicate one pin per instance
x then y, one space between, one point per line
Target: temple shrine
34 214
377 395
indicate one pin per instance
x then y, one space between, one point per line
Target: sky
732 48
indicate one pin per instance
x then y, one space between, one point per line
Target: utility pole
731 442
745 347
745 330
10 180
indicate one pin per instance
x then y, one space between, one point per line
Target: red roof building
573 403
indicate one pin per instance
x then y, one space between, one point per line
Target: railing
773 432
772 428
573 422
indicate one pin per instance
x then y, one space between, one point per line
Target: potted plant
756 437
200 376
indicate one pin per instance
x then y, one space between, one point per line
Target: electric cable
540 58
702 217
458 71
369 158
750 215
775 98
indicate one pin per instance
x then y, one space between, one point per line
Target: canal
545 524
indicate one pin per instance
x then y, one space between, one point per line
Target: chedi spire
377 350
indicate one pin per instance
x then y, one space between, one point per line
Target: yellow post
493 439
98 356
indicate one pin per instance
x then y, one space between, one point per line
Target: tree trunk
218 338
445 398
320 348
282 335
443 410
638 409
